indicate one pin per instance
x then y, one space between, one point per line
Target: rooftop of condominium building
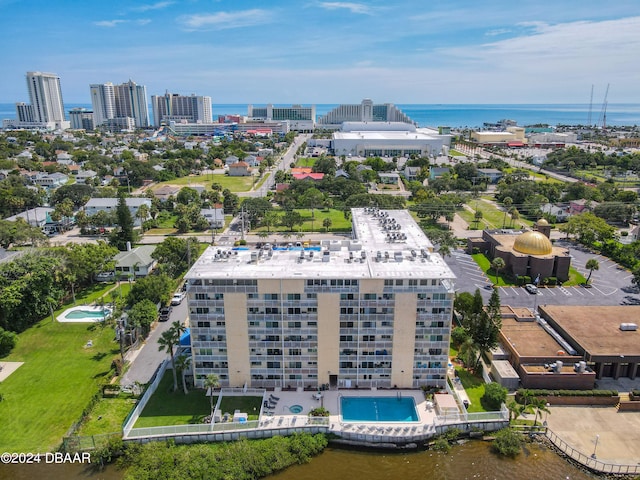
385 244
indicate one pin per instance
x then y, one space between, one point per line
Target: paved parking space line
550 290
588 290
515 290
577 290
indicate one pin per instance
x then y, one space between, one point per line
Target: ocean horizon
458 115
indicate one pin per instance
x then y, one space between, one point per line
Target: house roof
139 255
239 164
312 176
113 202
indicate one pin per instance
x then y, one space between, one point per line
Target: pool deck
281 416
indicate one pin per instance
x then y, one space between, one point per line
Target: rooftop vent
628 327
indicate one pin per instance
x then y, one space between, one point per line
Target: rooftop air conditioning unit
628 327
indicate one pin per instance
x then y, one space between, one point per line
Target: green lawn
485 264
107 416
338 222
234 184
305 162
60 374
474 386
455 153
492 217
175 408
575 278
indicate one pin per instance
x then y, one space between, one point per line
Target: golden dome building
526 253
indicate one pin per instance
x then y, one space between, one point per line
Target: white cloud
497 31
153 6
225 20
353 7
109 23
143 21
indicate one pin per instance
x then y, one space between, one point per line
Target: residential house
36 217
84 176
165 191
490 174
561 212
301 170
214 215
63 158
316 177
51 180
341 173
239 169
576 207
110 205
411 173
230 160
437 172
389 178
136 262
362 167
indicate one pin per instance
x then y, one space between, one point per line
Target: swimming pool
378 409
85 313
296 408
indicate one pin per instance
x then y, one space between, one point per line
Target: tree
484 325
174 254
124 232
463 305
494 395
477 216
63 212
326 223
507 442
636 276
507 202
290 219
142 315
8 340
230 202
182 363
211 382
591 265
142 214
156 288
539 405
515 216
515 410
169 339
498 264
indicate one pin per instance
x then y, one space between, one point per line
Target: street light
593 455
546 415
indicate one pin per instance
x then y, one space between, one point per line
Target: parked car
177 298
105 277
531 288
165 312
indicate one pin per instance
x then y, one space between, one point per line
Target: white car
177 298
531 288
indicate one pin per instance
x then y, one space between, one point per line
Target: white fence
135 413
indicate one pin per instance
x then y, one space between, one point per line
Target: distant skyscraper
103 102
174 107
120 101
81 119
46 97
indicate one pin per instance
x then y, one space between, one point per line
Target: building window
273 364
273 324
271 296
368 338
204 324
272 310
293 311
202 310
295 351
293 296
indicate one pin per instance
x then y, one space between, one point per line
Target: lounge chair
273 397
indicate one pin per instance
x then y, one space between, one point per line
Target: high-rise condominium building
172 107
301 118
120 101
373 311
81 119
365 111
24 112
45 95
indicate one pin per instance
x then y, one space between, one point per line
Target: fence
589 461
132 418
73 444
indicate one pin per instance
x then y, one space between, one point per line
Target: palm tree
498 264
212 381
515 410
515 216
183 362
592 264
477 217
507 202
142 214
169 339
539 405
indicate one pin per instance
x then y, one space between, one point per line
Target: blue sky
308 51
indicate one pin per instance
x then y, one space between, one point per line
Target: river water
472 460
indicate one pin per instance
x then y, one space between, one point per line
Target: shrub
507 442
441 445
551 281
458 336
475 250
494 395
319 412
7 341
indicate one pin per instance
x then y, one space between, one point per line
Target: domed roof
542 222
533 243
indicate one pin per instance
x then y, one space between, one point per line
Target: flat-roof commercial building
301 118
373 311
391 139
607 337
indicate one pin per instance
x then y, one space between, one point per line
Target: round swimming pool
295 408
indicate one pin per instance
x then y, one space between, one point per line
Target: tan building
528 253
373 311
513 136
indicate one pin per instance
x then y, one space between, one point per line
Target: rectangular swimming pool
378 409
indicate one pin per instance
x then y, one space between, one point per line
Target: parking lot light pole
593 455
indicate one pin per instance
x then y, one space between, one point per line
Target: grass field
175 408
491 216
338 222
474 386
485 264
305 162
107 416
234 184
59 376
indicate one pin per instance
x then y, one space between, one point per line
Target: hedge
568 393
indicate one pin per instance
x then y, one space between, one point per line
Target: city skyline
329 52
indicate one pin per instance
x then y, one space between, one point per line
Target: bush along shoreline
240 460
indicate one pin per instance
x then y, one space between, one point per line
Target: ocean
469 115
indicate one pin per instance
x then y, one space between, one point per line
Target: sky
314 52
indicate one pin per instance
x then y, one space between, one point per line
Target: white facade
120 101
301 118
81 119
366 111
374 311
175 107
388 139
45 95
110 205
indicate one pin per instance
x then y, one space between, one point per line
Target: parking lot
611 284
